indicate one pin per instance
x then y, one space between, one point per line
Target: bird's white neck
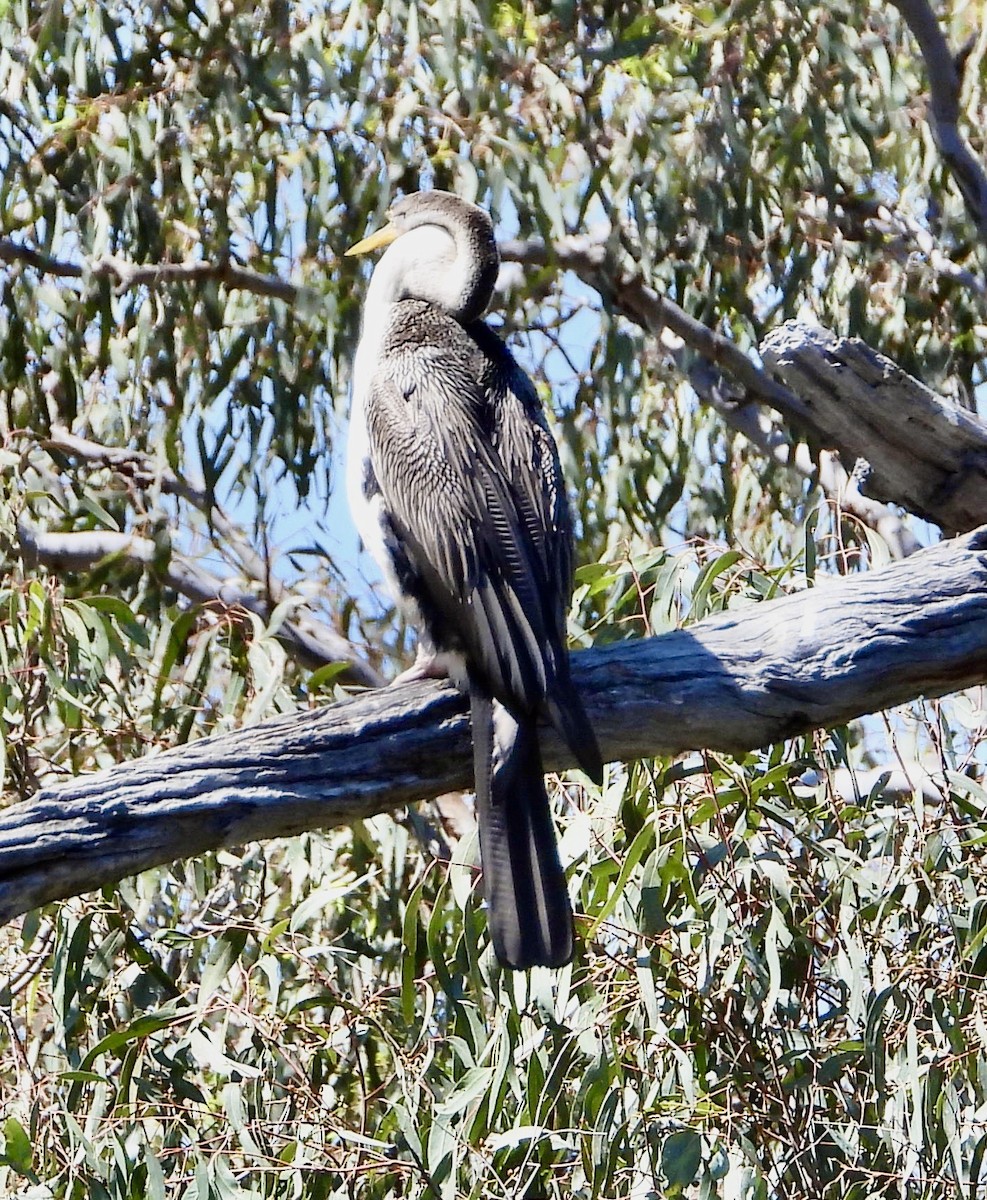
426 254
418 266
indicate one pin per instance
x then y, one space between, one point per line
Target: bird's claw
426 666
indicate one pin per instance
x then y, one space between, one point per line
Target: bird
456 489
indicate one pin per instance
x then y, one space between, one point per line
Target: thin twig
855 215
313 643
940 262
944 91
129 275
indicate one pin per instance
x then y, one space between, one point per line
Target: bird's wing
526 452
473 523
530 461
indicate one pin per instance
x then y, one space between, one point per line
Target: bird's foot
428 665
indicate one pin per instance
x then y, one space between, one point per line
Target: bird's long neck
383 293
392 280
465 290
451 263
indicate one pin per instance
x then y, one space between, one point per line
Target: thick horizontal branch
734 682
922 452
312 643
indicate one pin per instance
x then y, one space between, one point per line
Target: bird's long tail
530 917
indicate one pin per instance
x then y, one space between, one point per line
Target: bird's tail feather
565 710
529 915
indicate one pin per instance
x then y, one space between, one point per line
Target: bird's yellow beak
382 237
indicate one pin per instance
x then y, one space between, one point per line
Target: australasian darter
457 491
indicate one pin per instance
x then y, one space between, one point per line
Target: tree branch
739 680
921 451
641 304
938 260
128 275
312 643
13 252
825 469
944 89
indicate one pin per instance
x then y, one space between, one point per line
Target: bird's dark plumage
463 480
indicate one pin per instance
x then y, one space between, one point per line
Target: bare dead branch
739 680
153 275
312 642
147 471
944 89
921 451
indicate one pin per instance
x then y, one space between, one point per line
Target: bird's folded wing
471 532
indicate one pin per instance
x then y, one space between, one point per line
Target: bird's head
442 250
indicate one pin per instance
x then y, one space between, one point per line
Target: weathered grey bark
921 451
811 399
734 682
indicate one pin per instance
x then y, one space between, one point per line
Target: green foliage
779 988
768 989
